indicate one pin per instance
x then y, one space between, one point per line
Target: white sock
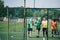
37 32
30 33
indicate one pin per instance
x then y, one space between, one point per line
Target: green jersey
38 24
30 24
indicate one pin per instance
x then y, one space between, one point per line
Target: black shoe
37 36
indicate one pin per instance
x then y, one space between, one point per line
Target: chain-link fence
12 27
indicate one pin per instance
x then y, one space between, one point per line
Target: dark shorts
38 29
29 29
54 31
44 29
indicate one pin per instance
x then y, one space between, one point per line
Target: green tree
42 13
57 13
54 13
1 8
29 12
12 13
21 12
37 13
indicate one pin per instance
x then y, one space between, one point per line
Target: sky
30 3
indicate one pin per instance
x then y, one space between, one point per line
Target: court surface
16 32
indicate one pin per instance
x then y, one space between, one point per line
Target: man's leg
55 32
36 32
52 33
43 32
46 32
30 32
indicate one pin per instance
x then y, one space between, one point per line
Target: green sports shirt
38 24
30 24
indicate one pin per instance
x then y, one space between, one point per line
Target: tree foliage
21 12
1 8
52 13
29 13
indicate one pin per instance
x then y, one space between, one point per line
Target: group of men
41 24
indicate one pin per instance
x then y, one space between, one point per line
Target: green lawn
13 26
16 30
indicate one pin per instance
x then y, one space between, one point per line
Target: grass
13 26
16 30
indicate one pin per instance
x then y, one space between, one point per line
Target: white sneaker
43 38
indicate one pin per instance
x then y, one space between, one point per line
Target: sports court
14 30
13 23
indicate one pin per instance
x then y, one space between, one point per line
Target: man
54 27
30 27
44 27
38 26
